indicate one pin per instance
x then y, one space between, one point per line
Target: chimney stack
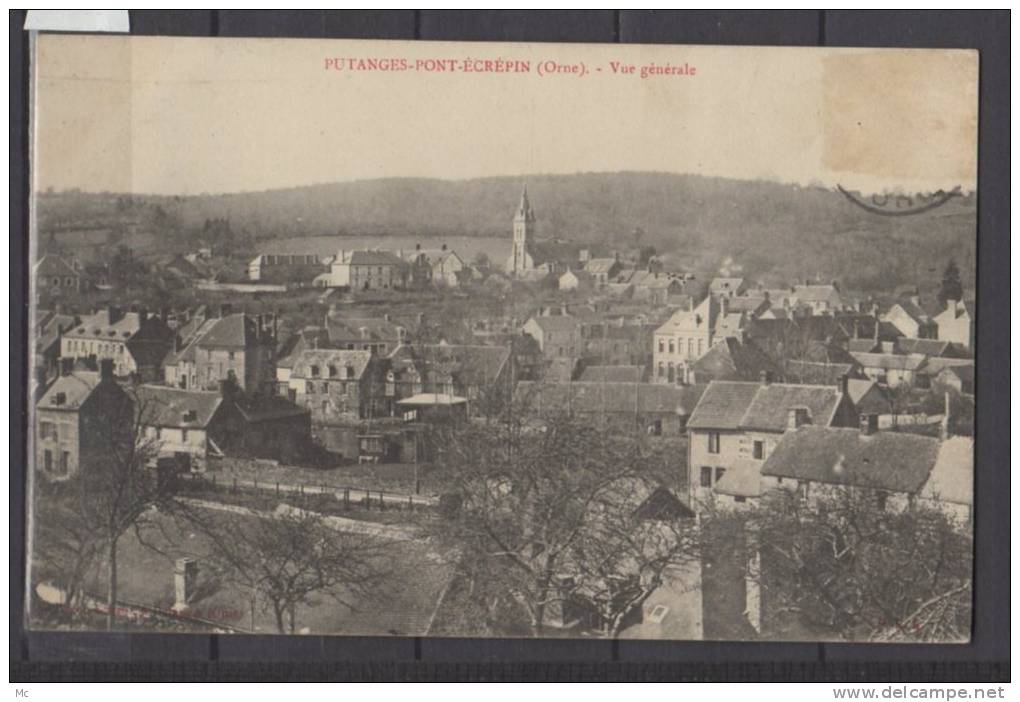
869 424
114 313
844 384
66 366
724 305
944 424
185 579
106 369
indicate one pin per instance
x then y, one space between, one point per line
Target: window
48 460
65 459
47 430
184 435
690 347
719 473
672 346
713 442
759 450
706 477
332 371
655 428
880 500
662 346
314 371
230 355
739 498
325 388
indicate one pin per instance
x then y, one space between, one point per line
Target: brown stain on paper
901 114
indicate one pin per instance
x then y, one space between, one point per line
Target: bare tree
845 562
627 554
289 557
544 513
117 488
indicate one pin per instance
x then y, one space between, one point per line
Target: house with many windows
81 419
736 425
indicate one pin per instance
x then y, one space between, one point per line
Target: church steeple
524 228
524 211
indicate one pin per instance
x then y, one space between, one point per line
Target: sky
191 115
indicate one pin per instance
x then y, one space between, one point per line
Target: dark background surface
99 656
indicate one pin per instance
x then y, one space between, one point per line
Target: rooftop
892 461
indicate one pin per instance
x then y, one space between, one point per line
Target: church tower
524 226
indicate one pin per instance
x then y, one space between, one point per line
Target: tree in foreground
845 561
547 517
117 489
289 558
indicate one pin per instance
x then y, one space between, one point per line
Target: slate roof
952 477
561 322
703 316
723 405
76 386
965 374
732 359
741 479
858 389
811 373
613 374
863 346
368 329
169 407
372 258
237 331
927 347
756 406
596 266
817 293
97 326
323 359
614 398
890 361
469 365
719 285
50 265
934 366
49 327
826 352
892 461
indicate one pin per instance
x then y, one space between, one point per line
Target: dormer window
349 371
314 370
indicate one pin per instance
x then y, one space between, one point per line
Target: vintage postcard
502 340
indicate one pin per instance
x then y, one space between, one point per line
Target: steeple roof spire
524 208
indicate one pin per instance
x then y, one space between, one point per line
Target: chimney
444 247
106 369
944 424
386 317
417 247
114 313
66 366
766 377
844 384
724 305
869 424
796 417
185 579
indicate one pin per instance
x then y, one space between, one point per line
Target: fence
349 496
